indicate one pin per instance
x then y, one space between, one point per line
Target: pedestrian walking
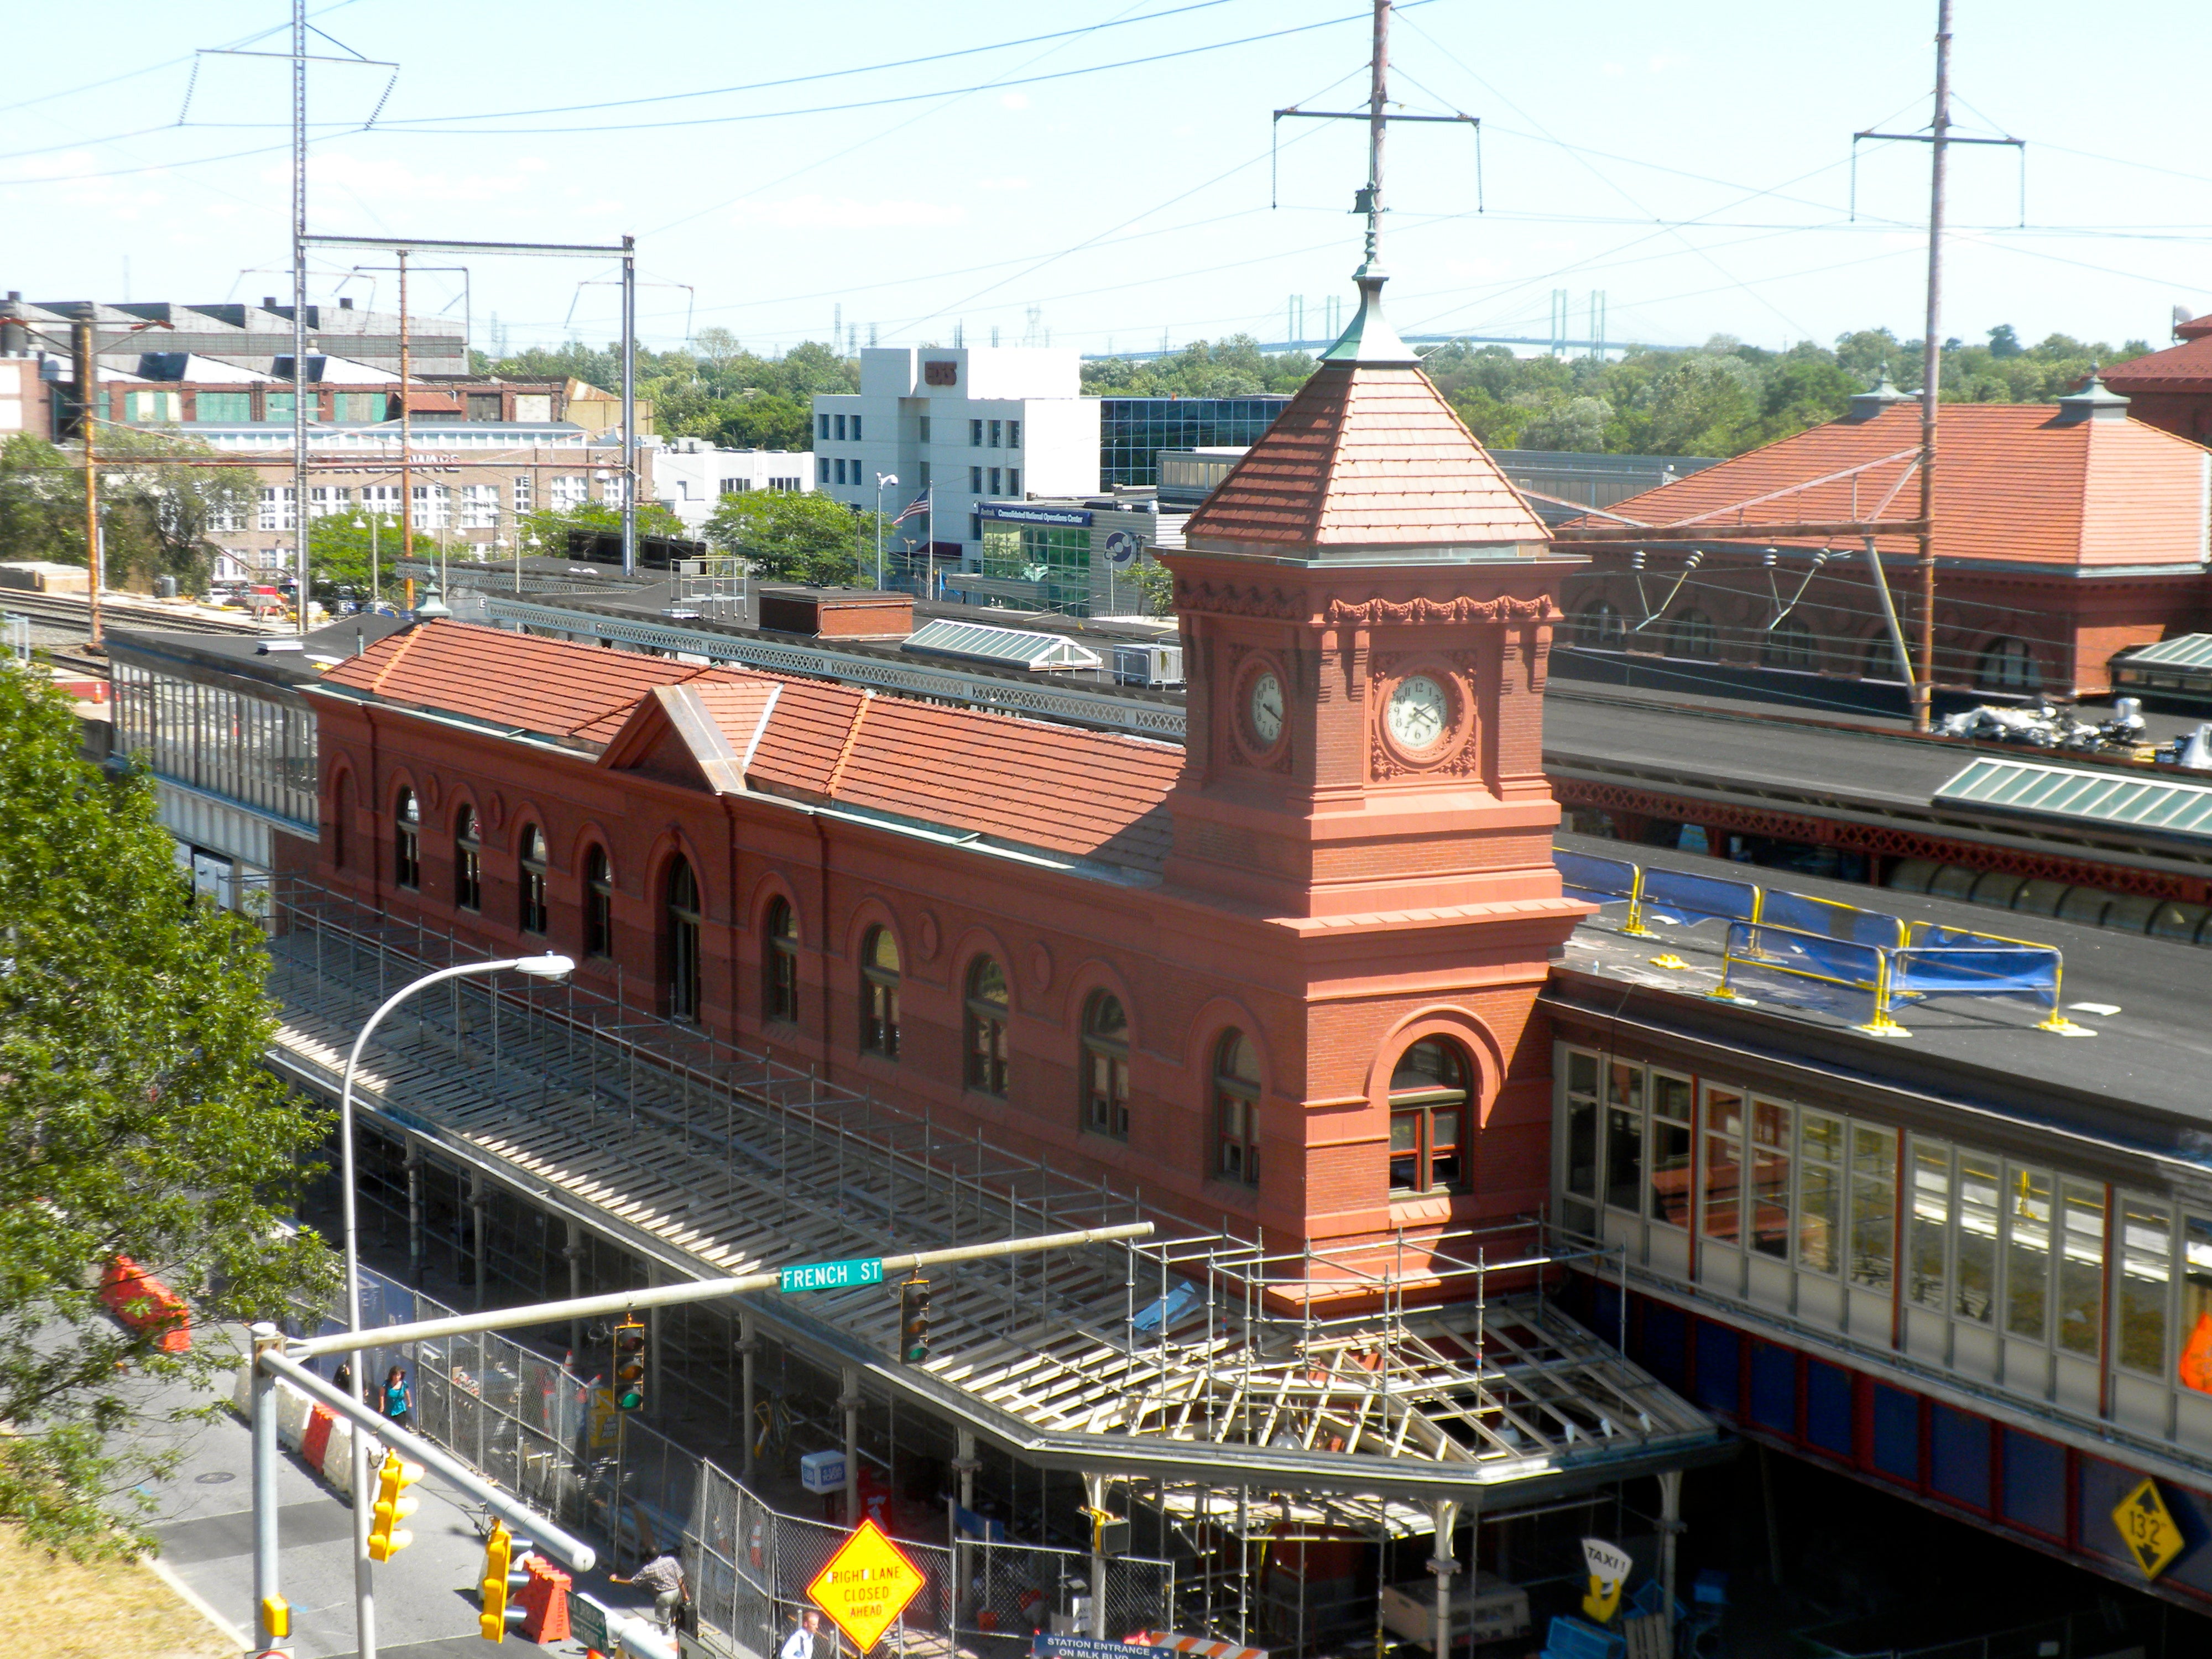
664 1576
342 1379
398 1398
799 1644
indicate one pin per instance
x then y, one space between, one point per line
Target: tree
546 532
41 502
139 1120
2003 343
796 538
338 550
763 421
1578 423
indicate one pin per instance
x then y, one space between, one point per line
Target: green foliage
339 547
715 390
156 509
546 532
138 1119
1234 367
1720 399
1155 587
792 537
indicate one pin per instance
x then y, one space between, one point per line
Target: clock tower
1366 605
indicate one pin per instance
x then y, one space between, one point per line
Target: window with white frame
479 507
736 486
525 490
277 509
433 506
570 491
382 499
225 516
324 500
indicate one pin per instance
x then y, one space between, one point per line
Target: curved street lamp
538 967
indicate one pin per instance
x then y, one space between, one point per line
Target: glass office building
1132 431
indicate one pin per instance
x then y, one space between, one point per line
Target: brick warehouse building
2063 534
1236 971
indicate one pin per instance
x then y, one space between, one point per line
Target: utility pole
406 433
629 405
1378 87
300 329
86 366
1931 374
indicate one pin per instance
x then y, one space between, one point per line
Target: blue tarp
1595 881
1945 962
1678 895
1837 921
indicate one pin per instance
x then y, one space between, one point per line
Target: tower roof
1368 458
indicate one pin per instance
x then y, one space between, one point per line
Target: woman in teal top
397 1401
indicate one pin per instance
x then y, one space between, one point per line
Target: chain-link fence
750 1566
555 1439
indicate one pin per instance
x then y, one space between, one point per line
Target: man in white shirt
799 1644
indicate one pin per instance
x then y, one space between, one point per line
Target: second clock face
1420 712
1264 708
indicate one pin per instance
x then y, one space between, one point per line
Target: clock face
1264 708
1419 712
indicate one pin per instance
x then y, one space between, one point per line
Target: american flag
919 506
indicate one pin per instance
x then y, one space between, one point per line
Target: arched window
1106 1066
468 860
406 840
531 910
341 809
2010 666
1429 1118
1236 1109
779 963
598 904
1600 625
1880 660
682 941
1692 634
987 1026
1791 644
879 993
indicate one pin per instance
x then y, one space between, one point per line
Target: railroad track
67 610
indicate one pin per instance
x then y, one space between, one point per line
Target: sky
1107 174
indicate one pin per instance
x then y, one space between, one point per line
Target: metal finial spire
1369 199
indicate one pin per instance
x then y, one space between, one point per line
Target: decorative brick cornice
1375 613
1230 600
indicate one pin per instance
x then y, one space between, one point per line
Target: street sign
831 1275
588 1621
1085 1647
866 1585
2148 1529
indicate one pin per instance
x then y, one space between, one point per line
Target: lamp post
543 967
882 479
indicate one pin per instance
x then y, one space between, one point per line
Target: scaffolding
1248 1396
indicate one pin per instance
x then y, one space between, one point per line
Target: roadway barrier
1865 962
145 1303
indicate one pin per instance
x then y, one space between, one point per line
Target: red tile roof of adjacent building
1084 794
2017 481
2183 368
1367 455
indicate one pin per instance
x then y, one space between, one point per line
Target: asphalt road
426 1604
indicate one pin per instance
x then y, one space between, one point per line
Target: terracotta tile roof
1087 794
1366 455
2183 368
544 686
2012 481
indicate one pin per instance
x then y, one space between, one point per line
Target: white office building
969 423
690 476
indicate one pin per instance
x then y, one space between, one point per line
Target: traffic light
914 1321
506 1569
386 1536
629 1366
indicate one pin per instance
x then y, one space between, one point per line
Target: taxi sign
866 1585
831 1275
2148 1529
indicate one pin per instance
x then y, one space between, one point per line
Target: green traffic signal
629 1366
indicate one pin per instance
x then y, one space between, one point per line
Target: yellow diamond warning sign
866 1585
2148 1529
